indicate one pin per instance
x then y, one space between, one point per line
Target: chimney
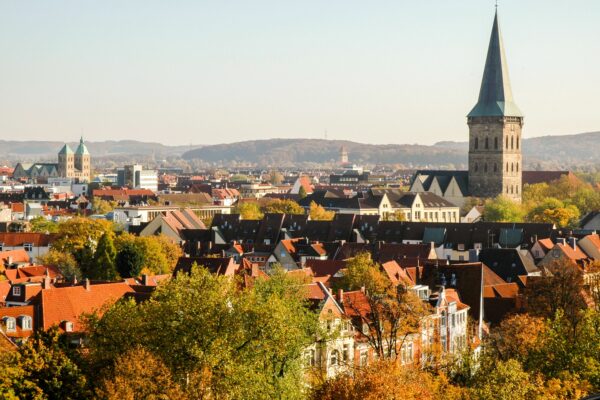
362 289
341 296
562 241
573 243
74 279
46 282
9 260
145 279
86 284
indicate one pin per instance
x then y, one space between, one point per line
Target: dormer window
68 326
26 322
1 246
28 246
10 323
16 290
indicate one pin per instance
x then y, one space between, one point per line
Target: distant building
76 165
343 156
136 177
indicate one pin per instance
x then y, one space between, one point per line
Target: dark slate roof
495 96
533 177
508 263
443 179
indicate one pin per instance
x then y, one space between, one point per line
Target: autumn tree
391 313
318 213
42 369
276 177
100 206
159 253
248 210
388 380
502 209
43 225
555 212
515 337
217 340
139 374
284 207
65 262
302 192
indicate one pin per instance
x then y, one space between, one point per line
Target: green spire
65 150
82 149
495 96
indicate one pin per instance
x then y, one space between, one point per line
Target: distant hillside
45 149
543 152
292 151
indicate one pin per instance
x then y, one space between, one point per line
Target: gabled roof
70 303
65 150
13 239
495 96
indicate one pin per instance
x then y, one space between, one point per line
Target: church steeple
495 96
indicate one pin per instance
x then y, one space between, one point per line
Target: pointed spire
495 96
82 148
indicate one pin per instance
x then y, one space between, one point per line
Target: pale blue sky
204 72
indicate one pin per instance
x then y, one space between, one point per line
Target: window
476 167
28 246
487 144
364 358
517 167
16 290
507 168
496 143
334 358
68 326
485 167
512 167
512 142
346 353
476 143
517 142
1 246
507 143
26 324
495 167
310 357
10 323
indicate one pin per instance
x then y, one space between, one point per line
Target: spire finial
496 5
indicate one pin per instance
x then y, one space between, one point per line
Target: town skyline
113 84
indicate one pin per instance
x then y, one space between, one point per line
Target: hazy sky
203 72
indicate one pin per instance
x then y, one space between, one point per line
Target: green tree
284 207
217 340
555 212
506 381
100 206
129 261
302 192
276 177
103 266
248 210
318 213
43 225
65 262
502 209
42 369
79 237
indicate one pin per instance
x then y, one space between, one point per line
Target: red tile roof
452 295
572 253
13 239
325 267
32 271
69 303
18 256
546 244
16 312
396 274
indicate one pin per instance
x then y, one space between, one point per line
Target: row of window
513 143
26 246
512 167
25 322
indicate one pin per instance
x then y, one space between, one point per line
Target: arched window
496 143
512 189
485 167
476 167
517 142
495 167
487 143
512 142
512 167
517 167
507 143
506 167
476 143
517 189
334 358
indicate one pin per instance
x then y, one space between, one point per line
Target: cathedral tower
83 162
66 162
495 123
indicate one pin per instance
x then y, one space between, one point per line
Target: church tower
495 123
66 162
83 162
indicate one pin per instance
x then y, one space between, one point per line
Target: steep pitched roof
69 303
495 96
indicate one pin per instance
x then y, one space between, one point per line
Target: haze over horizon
207 73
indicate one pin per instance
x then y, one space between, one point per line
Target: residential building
136 177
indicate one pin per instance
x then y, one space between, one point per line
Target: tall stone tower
495 123
66 162
83 162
